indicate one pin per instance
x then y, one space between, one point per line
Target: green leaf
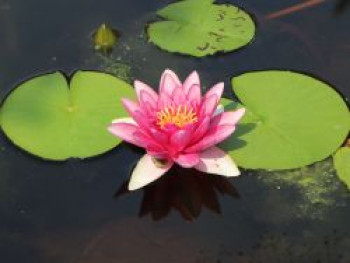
46 118
342 164
292 120
200 28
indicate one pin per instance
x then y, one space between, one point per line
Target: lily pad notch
55 120
200 28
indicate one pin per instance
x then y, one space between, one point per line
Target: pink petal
141 119
130 105
158 153
136 113
216 161
187 160
140 86
209 105
213 137
146 171
179 140
164 101
147 102
229 117
168 82
202 129
217 89
192 79
125 131
150 112
160 136
178 96
147 141
190 127
194 94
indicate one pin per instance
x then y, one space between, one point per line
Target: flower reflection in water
184 190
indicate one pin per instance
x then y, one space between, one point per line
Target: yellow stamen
179 116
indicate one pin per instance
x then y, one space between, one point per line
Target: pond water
78 211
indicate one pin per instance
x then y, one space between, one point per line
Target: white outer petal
124 120
216 161
146 172
219 110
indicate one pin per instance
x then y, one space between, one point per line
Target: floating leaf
46 118
342 164
200 28
292 120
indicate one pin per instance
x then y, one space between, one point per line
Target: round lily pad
48 119
292 120
342 164
200 28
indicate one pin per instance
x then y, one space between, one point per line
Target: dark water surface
77 211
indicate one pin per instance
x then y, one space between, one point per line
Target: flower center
178 116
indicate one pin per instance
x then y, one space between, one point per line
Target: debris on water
316 189
116 67
127 47
105 38
294 8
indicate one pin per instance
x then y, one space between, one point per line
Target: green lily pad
200 28
46 118
292 120
342 164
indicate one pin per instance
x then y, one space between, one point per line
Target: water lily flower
178 125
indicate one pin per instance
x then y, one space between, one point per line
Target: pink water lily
178 125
